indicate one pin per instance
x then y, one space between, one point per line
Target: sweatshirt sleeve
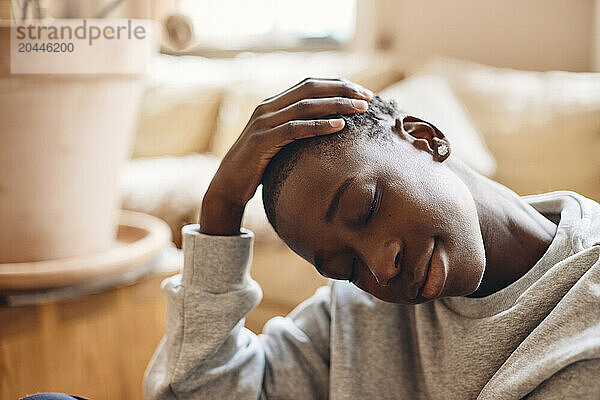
576 381
207 353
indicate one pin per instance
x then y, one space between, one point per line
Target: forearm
206 347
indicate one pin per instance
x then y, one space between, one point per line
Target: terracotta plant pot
62 140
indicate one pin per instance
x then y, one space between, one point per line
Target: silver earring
442 149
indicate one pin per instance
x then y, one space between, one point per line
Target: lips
437 274
424 281
415 287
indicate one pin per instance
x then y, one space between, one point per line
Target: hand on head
302 111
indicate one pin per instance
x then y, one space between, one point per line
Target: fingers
316 88
294 130
315 108
301 111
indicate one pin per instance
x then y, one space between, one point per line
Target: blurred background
99 172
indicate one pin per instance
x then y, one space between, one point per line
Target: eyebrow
333 206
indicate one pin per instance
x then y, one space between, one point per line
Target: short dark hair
368 124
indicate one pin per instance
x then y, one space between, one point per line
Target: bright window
242 24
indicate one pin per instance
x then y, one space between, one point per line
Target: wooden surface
98 346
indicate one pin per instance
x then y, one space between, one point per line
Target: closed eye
373 206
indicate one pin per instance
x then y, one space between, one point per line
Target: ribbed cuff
216 264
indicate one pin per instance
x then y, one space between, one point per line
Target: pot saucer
140 239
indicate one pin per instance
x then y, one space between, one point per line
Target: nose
384 261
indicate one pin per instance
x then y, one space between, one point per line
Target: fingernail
367 93
336 123
360 105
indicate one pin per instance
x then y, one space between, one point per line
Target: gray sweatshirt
538 338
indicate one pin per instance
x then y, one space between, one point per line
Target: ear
425 136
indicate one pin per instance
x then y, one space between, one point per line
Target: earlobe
425 136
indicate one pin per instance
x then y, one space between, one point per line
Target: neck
515 235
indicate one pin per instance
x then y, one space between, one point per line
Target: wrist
219 216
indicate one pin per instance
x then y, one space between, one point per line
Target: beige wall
532 34
596 51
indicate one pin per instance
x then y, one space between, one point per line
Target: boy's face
384 210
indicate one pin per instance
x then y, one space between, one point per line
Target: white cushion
542 127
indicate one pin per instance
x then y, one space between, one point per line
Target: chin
418 300
467 279
399 299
